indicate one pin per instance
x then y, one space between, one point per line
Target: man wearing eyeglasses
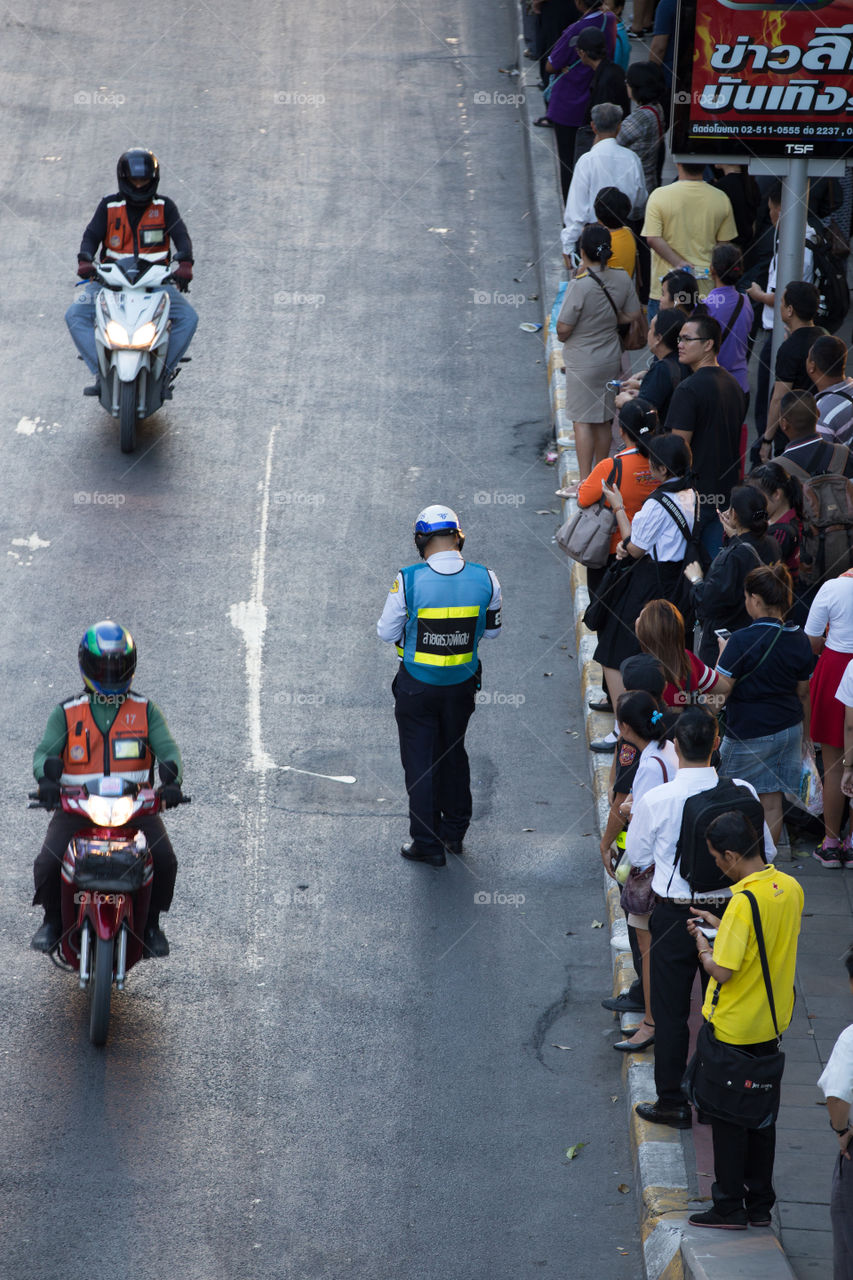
708 409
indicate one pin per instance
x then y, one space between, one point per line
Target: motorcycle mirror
168 771
53 768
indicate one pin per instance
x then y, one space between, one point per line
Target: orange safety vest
88 754
151 234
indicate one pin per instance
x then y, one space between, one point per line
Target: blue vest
446 616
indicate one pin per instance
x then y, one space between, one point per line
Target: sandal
543 123
570 491
627 1046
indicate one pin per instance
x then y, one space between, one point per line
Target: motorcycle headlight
106 811
145 334
117 334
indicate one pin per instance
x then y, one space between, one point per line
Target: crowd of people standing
723 608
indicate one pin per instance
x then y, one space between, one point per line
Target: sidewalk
674 1169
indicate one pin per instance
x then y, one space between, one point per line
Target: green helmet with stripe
107 658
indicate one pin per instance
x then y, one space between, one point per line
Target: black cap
642 671
591 40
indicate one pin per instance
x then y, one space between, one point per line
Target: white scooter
132 338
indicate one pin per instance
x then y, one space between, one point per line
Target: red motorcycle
107 871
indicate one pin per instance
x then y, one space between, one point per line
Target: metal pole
791 233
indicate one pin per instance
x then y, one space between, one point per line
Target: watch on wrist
839 1131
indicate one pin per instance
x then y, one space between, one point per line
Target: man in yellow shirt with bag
748 1004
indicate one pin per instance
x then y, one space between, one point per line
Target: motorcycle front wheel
100 988
127 416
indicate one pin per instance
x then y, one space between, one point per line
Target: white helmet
436 520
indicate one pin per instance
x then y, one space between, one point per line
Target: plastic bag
811 788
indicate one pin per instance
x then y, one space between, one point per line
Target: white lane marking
330 777
32 543
250 618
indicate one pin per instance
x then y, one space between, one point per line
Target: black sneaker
734 1222
624 1003
94 390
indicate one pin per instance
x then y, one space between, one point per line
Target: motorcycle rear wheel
100 989
127 416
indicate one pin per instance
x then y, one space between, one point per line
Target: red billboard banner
772 79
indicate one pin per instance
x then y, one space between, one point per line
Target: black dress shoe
605 746
675 1117
454 847
604 705
624 1003
46 938
94 390
155 942
414 854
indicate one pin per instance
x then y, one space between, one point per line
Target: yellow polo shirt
692 217
742 1015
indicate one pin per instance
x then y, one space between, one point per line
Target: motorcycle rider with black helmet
135 222
105 730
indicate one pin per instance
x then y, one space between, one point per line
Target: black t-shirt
813 454
764 699
608 85
660 382
791 358
711 404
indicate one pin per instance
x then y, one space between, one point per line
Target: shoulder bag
586 535
633 332
637 896
724 1080
721 718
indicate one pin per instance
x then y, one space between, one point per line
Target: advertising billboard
764 79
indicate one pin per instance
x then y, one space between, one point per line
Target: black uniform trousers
431 722
674 962
47 867
743 1160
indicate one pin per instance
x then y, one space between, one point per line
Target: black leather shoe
156 942
94 390
604 705
46 938
624 1003
414 854
603 746
454 847
675 1117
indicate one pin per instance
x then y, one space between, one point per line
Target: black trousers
674 963
431 722
565 135
62 826
743 1160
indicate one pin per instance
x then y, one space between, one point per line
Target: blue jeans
80 318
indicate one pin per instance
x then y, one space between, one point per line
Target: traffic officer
436 614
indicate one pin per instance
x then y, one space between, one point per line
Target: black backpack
692 856
830 279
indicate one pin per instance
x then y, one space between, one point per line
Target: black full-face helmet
133 165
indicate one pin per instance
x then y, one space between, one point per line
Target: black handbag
725 1081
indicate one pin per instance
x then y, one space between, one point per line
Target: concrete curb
671 1249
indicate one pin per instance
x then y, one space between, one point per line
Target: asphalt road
347 1067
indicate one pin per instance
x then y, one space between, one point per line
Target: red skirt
827 724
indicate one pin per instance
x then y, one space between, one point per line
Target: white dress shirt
393 621
654 529
837 1078
605 165
656 824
